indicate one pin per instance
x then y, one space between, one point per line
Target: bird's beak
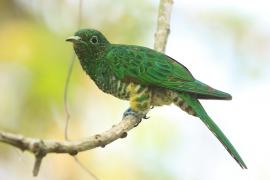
74 39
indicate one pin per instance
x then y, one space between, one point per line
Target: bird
146 78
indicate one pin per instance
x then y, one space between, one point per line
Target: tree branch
40 148
163 24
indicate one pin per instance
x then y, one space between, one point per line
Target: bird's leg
140 99
129 112
138 115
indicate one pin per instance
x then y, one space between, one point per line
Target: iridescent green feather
200 112
152 68
113 67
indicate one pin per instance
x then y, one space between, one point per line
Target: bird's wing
146 66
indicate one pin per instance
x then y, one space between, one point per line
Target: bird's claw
136 114
129 112
146 117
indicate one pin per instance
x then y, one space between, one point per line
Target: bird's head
88 43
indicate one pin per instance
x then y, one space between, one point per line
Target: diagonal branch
40 148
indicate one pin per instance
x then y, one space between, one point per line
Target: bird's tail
194 107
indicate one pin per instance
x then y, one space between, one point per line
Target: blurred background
223 43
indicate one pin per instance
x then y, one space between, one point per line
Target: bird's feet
136 114
129 112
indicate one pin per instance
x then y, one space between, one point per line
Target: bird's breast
113 86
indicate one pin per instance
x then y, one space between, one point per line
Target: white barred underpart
120 90
159 97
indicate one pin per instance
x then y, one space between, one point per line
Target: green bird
146 78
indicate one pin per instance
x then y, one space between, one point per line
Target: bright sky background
224 43
244 119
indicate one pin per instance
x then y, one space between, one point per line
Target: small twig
40 153
68 116
85 168
70 69
66 94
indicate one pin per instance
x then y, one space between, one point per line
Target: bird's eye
94 40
